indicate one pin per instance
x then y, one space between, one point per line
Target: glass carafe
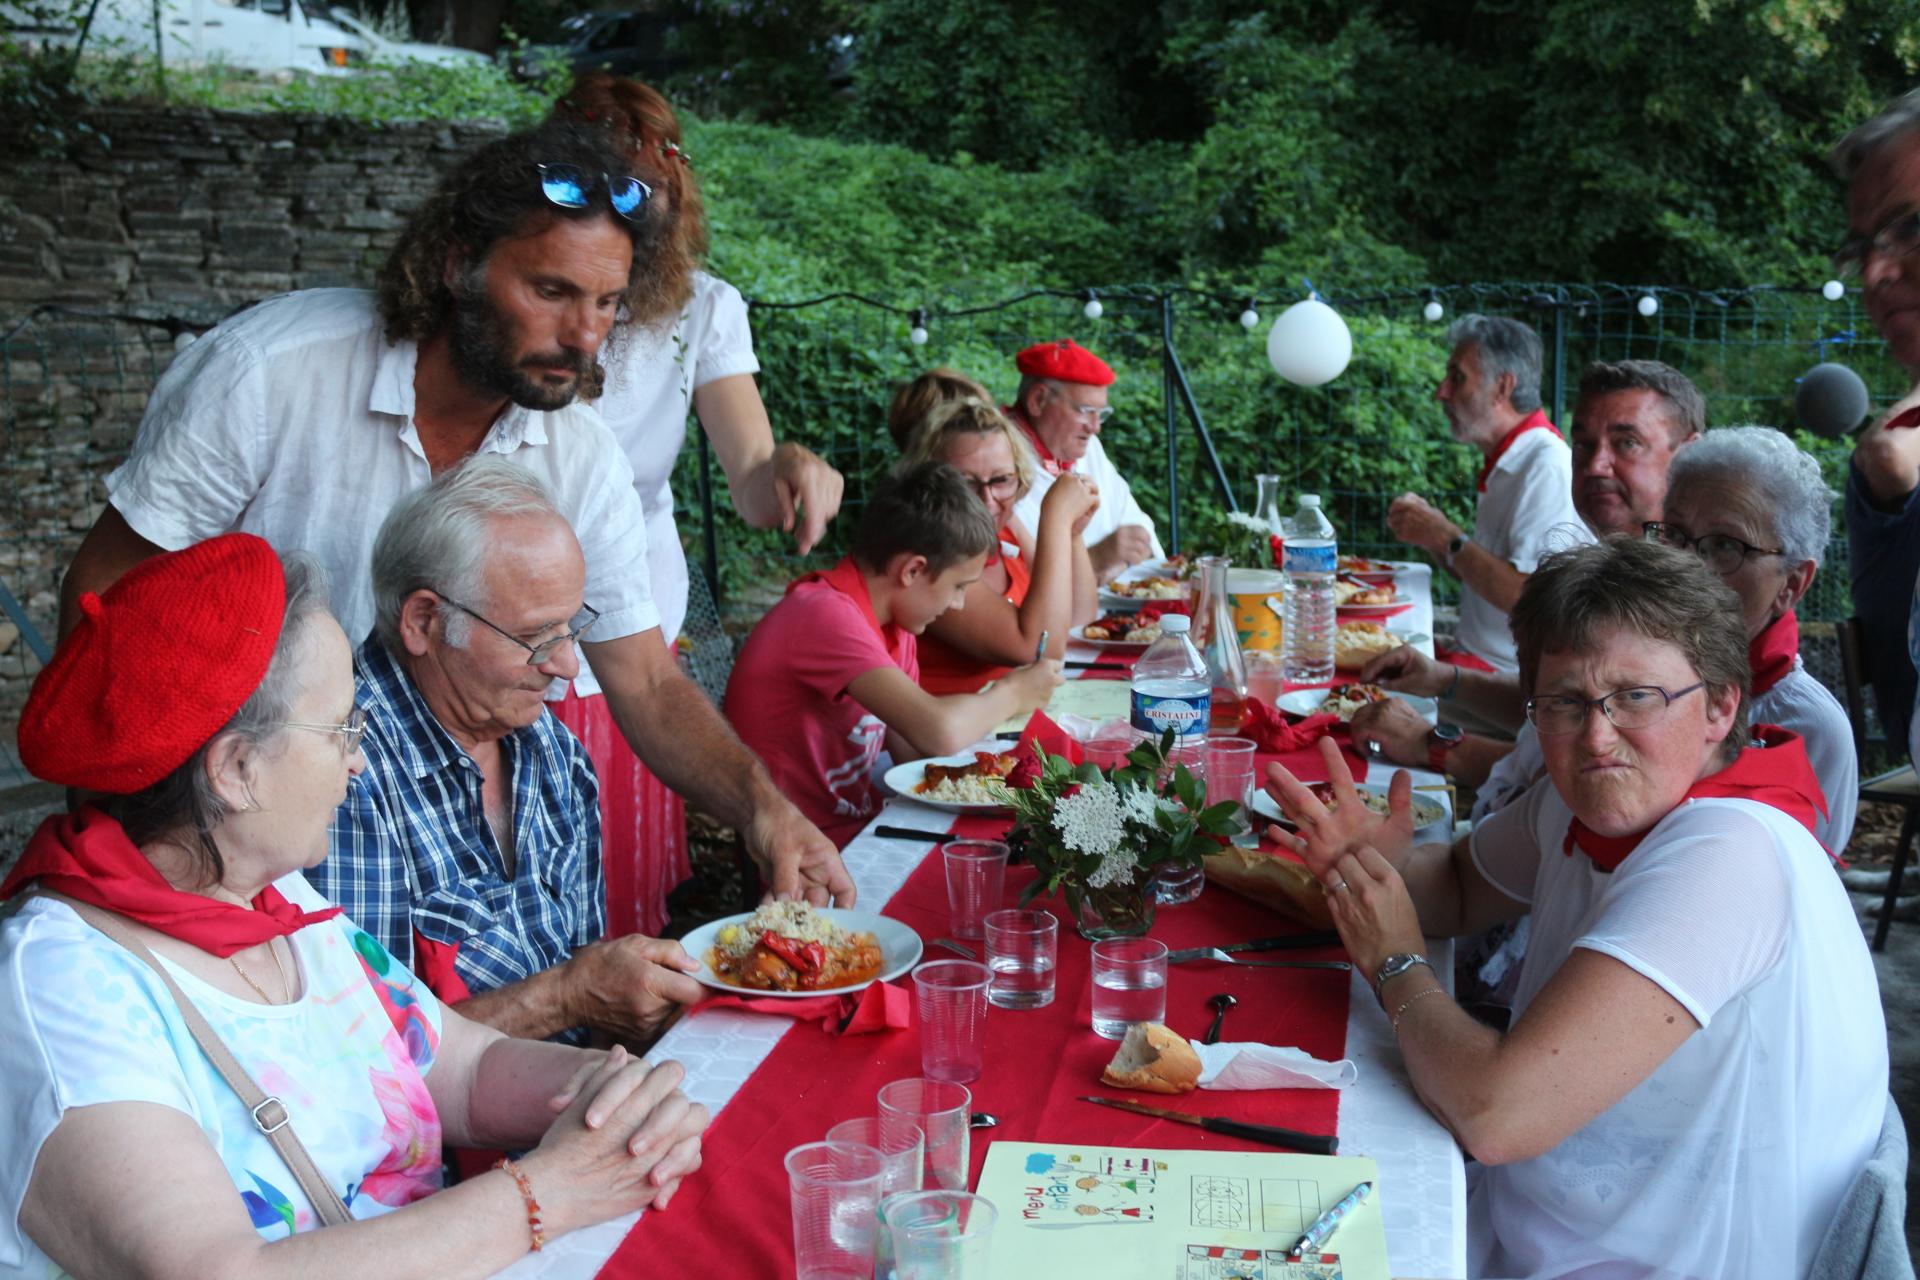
1218 639
1266 507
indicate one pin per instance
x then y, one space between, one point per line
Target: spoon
982 1120
1219 1004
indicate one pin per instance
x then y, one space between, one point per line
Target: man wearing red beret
1059 408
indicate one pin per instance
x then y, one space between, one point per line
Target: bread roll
1155 1059
1276 881
1355 644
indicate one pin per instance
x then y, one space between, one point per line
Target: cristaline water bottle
1312 557
1171 684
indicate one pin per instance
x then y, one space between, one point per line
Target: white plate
1306 702
899 950
1400 600
1118 646
1427 811
903 778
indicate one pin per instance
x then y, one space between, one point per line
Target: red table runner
730 1218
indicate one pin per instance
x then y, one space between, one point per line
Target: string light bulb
1249 317
1093 308
1833 291
917 335
1433 311
1648 305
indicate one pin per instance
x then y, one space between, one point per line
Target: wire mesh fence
73 385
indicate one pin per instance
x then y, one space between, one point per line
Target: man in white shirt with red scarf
1059 409
1491 396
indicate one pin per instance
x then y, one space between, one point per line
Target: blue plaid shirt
411 848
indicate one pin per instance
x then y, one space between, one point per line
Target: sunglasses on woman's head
571 187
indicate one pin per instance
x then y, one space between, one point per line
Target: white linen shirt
1526 512
651 377
1797 702
1117 506
294 420
1731 1158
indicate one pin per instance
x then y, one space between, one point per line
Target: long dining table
1422 1175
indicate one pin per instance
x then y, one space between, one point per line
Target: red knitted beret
1064 361
156 666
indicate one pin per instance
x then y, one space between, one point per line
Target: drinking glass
976 871
941 1235
952 997
1265 678
941 1110
1129 984
1022 949
1110 746
834 1188
1230 771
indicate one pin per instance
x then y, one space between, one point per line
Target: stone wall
156 225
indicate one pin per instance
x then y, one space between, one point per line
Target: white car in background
381 49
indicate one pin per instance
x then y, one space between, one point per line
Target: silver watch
1395 965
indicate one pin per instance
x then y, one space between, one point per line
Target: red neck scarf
87 856
1771 653
1905 418
849 581
1048 463
1777 773
1535 421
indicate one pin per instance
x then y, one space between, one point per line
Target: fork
1215 953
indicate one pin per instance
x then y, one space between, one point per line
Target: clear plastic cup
942 1235
976 874
1129 984
1177 885
942 1111
834 1188
1023 947
1110 746
903 1146
1230 774
952 998
1265 678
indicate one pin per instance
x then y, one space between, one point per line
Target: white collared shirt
294 420
1117 506
1526 511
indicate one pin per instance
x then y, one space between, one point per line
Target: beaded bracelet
526 1193
1408 1003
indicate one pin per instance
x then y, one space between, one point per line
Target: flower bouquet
1099 835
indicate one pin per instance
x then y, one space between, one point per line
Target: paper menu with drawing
1095 700
1138 1214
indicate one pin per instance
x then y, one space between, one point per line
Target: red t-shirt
946 670
789 703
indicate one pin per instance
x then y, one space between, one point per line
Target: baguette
1154 1059
1276 881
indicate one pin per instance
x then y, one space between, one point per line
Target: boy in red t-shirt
830 676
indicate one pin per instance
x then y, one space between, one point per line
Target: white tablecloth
1423 1198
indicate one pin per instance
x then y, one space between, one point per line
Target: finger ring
1373 748
1340 887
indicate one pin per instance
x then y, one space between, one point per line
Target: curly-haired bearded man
305 418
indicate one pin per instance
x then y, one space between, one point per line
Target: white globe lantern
1833 291
1309 344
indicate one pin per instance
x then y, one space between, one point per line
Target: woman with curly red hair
685 346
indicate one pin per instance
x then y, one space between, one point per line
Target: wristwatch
1441 739
1395 965
1455 545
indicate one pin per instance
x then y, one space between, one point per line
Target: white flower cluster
1139 804
1251 523
1090 820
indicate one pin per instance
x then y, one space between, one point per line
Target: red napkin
1269 728
880 1007
1157 608
1050 737
1461 658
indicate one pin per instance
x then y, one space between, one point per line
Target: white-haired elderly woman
205 703
1697 1063
1752 505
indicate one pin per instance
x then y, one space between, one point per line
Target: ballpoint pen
1329 1222
1041 652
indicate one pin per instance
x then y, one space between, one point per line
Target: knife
1314 1144
1287 942
911 833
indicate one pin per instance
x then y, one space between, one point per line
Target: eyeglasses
350 732
536 653
1634 708
1723 553
1099 413
569 186
1897 237
1000 486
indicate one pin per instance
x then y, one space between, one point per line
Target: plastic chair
1867 1239
1899 786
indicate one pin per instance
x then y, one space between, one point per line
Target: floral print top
84 1022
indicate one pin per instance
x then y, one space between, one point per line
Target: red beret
156 666
1064 361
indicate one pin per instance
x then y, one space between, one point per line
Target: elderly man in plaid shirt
470 846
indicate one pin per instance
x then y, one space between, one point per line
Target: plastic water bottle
1312 557
1171 685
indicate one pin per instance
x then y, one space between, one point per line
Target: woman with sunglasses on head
1037 582
164 964
1697 1063
688 350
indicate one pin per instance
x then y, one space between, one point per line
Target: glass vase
1116 910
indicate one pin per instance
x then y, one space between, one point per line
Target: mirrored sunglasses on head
572 187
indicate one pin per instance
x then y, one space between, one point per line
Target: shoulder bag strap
269 1113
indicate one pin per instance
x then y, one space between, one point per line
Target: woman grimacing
1697 1064
205 705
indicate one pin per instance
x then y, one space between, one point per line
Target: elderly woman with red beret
175 1000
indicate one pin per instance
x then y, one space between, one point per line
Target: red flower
1026 772
1073 790
1279 550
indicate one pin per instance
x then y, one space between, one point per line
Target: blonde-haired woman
1039 581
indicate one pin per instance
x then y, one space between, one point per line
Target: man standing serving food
1060 407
